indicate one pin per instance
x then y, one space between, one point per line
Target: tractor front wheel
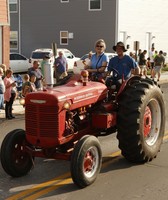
86 161
14 159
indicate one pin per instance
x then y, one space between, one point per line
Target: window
95 5
64 1
14 40
68 54
64 37
13 6
15 56
40 55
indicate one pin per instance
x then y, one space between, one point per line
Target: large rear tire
86 161
141 121
14 159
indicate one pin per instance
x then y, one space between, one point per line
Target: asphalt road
118 179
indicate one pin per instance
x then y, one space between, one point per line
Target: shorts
152 65
157 69
143 68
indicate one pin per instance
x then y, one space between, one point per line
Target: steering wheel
113 79
115 74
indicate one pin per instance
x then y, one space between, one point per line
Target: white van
39 54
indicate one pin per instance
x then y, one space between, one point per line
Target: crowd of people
99 68
153 62
14 86
125 64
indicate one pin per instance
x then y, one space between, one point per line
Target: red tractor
64 122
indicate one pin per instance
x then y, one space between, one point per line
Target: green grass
164 69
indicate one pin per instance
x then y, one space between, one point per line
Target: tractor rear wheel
141 121
86 161
15 161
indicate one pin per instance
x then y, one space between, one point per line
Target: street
118 179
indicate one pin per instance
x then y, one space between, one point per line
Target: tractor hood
73 92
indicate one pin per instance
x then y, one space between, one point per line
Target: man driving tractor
123 63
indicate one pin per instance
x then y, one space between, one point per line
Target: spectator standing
87 60
60 66
26 88
43 62
159 61
155 54
138 55
3 66
2 89
19 83
148 64
124 64
98 62
133 56
32 81
142 63
37 73
10 94
151 56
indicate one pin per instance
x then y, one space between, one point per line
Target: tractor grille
41 120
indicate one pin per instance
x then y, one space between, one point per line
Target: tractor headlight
67 105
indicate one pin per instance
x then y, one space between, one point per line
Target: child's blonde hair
26 77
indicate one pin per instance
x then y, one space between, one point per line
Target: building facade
145 21
71 24
4 32
77 24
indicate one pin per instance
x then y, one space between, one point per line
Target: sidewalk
163 77
19 110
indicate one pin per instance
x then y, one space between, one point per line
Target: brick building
4 32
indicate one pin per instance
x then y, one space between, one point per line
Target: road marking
49 189
49 186
39 187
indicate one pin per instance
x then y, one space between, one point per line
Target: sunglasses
99 46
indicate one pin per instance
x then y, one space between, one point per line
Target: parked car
18 63
39 54
79 64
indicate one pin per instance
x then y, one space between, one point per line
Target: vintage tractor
64 122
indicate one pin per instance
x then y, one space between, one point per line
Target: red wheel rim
147 121
91 162
88 162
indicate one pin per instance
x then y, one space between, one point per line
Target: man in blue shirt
122 63
61 66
